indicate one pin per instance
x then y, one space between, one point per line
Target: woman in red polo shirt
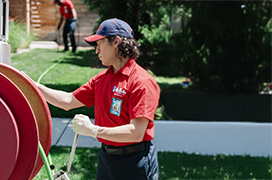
125 98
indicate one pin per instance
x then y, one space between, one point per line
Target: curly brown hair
127 48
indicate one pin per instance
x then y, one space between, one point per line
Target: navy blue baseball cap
110 27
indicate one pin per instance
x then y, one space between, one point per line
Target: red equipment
32 117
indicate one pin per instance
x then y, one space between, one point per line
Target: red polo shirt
119 97
66 9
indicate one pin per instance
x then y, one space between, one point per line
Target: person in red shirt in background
125 97
67 11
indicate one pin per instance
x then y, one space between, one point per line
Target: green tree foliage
223 46
231 46
138 14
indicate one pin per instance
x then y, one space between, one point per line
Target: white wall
212 138
206 138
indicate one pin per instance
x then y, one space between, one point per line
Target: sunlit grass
173 165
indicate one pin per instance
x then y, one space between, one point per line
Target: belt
115 150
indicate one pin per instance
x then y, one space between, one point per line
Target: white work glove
83 126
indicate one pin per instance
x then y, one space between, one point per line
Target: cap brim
92 39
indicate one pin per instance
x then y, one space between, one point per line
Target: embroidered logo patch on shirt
118 91
116 106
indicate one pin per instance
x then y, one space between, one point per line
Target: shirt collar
126 69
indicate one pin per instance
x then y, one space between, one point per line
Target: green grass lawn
62 71
173 165
67 71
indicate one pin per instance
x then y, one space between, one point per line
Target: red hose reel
25 121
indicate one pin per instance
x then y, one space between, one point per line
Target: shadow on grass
173 165
60 113
84 59
84 165
57 112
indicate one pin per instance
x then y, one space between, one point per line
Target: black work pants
141 165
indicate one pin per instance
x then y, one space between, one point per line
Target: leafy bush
231 52
18 36
220 51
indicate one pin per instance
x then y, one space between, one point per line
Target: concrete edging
205 138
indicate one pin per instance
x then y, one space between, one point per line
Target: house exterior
42 18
